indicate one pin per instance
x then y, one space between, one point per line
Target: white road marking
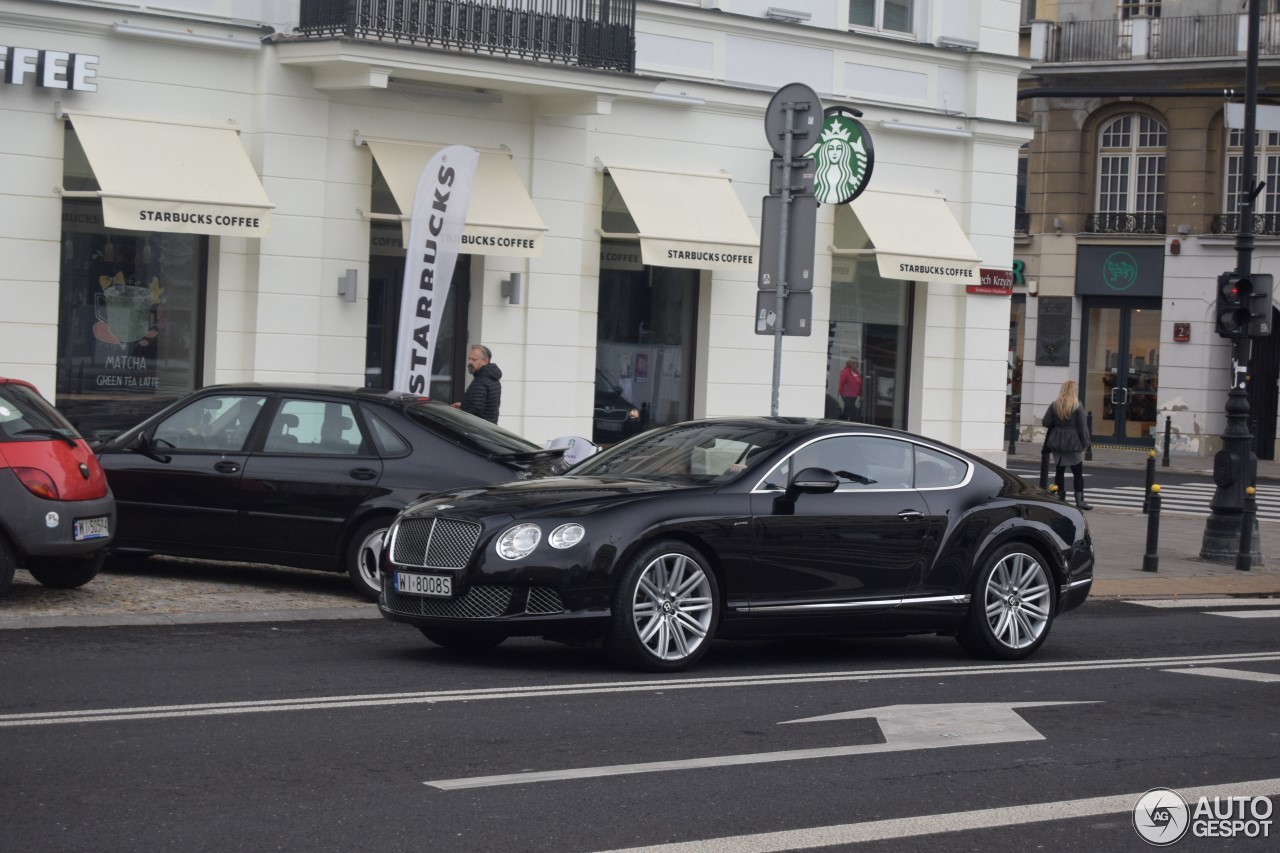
1206 602
1245 614
1219 672
905 727
155 712
914 827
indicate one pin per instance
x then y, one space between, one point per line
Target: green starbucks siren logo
843 158
1119 271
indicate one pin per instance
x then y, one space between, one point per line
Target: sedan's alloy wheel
1018 601
672 607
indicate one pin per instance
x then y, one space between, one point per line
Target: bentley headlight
566 536
518 542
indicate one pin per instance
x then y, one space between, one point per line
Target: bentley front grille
480 602
543 599
434 543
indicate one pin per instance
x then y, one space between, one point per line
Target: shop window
386 284
130 313
894 16
645 333
869 324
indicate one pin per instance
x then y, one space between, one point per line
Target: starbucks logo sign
843 158
1120 271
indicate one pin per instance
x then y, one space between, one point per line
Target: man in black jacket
484 394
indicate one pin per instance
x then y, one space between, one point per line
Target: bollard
1053 489
1151 479
1151 560
1013 430
1168 438
1044 468
1088 451
1243 557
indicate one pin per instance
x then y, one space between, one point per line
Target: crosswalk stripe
1183 498
1246 614
1165 603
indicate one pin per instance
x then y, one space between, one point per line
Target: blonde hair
1068 399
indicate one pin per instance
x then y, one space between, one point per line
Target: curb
369 611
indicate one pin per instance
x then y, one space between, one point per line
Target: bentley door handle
911 515
226 467
363 473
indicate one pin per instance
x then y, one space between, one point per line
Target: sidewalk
1120 537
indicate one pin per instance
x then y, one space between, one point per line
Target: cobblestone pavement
171 590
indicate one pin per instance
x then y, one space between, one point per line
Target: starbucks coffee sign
48 69
843 157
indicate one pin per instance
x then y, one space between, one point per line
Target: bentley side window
862 462
936 470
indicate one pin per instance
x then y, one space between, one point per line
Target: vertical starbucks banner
843 157
435 232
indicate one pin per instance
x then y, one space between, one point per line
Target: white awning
916 238
183 178
501 218
694 221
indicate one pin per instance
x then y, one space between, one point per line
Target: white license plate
436 586
609 426
91 528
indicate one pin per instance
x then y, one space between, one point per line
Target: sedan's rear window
468 430
25 416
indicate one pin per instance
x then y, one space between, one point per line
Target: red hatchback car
56 513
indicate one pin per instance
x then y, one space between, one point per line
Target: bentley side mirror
812 481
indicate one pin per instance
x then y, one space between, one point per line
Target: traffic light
1259 304
1232 310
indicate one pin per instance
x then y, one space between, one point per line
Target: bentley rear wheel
1012 607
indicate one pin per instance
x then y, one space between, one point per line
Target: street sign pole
780 301
793 115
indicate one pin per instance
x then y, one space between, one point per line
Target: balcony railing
1125 223
1081 41
1141 38
587 33
1021 221
1194 36
1266 224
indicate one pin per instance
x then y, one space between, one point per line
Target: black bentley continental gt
743 527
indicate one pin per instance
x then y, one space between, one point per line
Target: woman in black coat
1067 439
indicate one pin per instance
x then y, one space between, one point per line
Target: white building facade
217 194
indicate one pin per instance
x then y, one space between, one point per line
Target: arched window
1266 160
1131 175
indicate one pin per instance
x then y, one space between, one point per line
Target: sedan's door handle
363 473
911 515
227 467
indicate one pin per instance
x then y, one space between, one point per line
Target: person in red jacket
850 390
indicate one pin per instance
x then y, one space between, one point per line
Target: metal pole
1168 437
780 303
1151 479
1151 559
1235 463
1044 467
1088 451
1244 558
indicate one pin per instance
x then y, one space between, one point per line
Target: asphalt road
360 736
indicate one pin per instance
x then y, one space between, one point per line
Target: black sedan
744 527
307 476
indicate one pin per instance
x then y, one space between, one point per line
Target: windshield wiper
51 433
